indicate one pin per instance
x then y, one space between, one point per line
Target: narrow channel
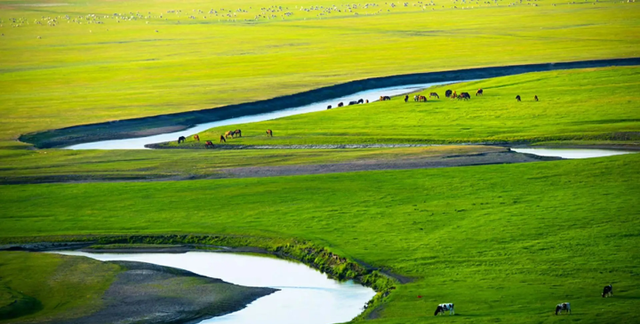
140 142
306 295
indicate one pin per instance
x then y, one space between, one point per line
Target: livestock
270 132
340 104
237 132
607 291
518 97
329 107
208 144
406 98
479 92
422 98
196 137
222 139
383 98
563 307
464 95
360 101
353 103
445 307
228 133
181 139
448 93
454 95
535 98
416 97
434 94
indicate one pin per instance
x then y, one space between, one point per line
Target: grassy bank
90 65
504 243
593 105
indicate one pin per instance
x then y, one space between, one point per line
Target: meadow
504 243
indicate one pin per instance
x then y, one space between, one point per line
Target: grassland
505 243
88 69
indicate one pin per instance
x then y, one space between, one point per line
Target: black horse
181 139
360 101
448 93
518 97
329 107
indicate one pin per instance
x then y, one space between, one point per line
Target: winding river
305 296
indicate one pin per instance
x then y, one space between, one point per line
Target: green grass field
504 243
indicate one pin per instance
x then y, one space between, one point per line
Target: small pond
305 296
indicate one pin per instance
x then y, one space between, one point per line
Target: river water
306 295
571 153
140 142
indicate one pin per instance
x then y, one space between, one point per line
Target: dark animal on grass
208 144
416 97
422 98
329 107
222 139
479 92
434 94
445 307
535 98
196 137
384 98
353 103
340 104
518 97
237 132
360 101
228 133
406 98
448 93
607 291
464 95
454 95
269 132
563 307
181 139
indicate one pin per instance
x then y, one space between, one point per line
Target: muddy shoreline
140 127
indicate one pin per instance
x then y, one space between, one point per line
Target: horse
535 98
416 97
196 137
384 98
406 98
464 95
340 104
563 307
329 107
229 133
353 103
181 139
270 132
434 94
479 92
422 98
222 139
518 97
607 291
208 144
448 93
454 95
445 307
237 132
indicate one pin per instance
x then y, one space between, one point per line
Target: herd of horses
223 138
607 291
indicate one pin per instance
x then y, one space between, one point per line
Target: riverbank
140 127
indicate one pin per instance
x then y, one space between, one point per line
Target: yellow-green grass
575 105
504 243
84 73
51 287
65 165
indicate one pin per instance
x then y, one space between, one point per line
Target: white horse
563 307
445 307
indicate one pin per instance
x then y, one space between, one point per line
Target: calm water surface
571 153
306 295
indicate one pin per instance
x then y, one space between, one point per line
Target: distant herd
417 98
607 291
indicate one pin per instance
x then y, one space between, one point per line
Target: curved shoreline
146 126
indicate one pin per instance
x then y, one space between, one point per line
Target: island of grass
51 288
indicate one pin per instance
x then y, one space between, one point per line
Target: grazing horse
563 307
406 98
479 92
433 94
228 133
422 98
454 95
360 101
383 98
196 137
416 97
270 132
464 95
445 307
535 98
448 93
329 107
518 97
340 104
607 291
181 139
222 139
237 132
208 144
353 103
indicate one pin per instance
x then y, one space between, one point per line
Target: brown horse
208 144
269 132
479 92
464 95
454 95
422 98
228 133
222 139
384 98
237 132
196 137
434 94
